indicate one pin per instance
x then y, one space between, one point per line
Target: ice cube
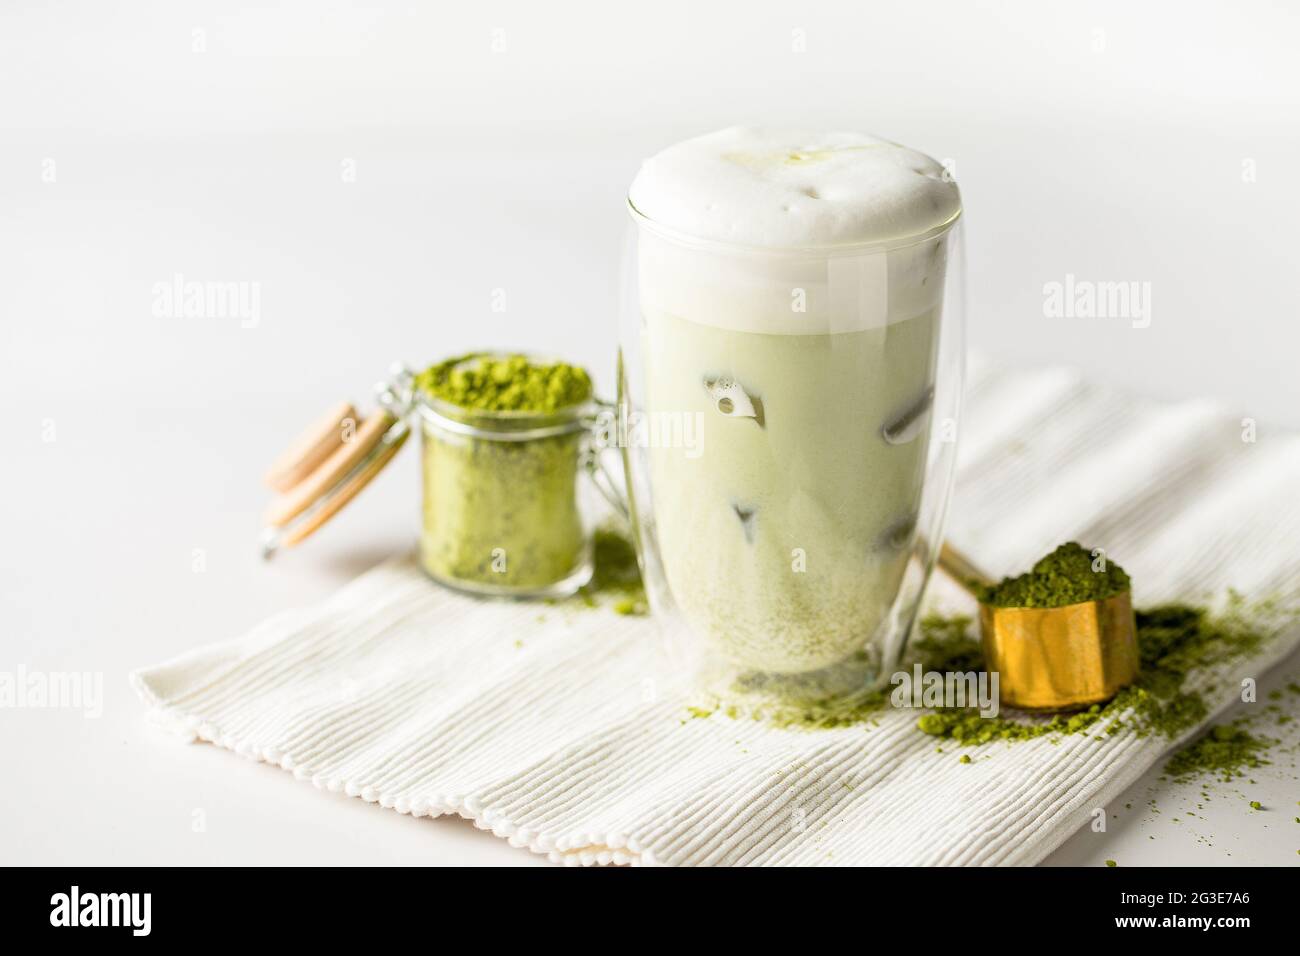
731 399
898 535
746 516
906 425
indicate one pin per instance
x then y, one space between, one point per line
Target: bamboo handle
963 570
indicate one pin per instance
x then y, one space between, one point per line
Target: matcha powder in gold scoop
1069 575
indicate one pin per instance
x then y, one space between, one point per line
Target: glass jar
505 511
792 449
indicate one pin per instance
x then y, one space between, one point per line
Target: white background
379 169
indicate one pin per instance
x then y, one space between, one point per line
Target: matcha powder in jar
504 440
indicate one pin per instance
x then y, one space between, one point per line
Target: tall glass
791 433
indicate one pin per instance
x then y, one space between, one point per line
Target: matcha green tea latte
790 302
503 441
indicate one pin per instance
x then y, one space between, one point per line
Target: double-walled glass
789 448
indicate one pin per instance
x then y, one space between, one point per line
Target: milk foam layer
804 233
790 188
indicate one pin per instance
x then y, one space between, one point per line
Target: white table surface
478 171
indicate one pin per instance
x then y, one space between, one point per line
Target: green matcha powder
1174 641
505 383
1069 575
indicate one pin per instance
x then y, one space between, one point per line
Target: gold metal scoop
1058 658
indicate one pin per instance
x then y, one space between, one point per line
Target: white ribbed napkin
557 729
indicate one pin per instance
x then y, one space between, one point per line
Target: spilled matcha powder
1226 752
1174 642
616 580
503 438
1069 575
